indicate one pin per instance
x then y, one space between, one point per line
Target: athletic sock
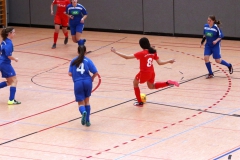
88 109
160 85
81 109
225 63
55 37
66 34
3 84
137 94
12 93
208 65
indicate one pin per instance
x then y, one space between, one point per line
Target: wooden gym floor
200 120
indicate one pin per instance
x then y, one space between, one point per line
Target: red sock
137 94
66 34
160 85
55 37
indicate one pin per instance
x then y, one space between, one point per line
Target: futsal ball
143 97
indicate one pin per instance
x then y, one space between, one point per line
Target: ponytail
81 53
152 50
5 32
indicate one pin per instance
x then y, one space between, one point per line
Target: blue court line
173 136
227 153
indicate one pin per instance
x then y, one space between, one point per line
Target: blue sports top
212 34
6 50
82 72
77 12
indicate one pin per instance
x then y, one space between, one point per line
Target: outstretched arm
165 62
121 54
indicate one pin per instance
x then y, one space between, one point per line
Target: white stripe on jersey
212 29
218 30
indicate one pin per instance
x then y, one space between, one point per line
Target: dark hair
145 44
5 32
213 18
81 52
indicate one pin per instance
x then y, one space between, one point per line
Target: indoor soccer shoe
230 69
173 83
139 104
88 124
209 76
54 46
83 120
66 40
13 102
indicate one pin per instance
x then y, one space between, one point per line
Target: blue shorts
82 89
7 70
76 28
215 50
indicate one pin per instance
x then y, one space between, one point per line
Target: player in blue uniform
77 15
213 34
6 68
80 68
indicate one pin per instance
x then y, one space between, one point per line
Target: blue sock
88 109
3 84
208 65
81 109
81 42
12 93
225 63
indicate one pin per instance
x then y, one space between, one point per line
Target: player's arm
94 75
83 19
13 58
165 62
122 55
203 40
51 7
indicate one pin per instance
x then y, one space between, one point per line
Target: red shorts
143 77
61 20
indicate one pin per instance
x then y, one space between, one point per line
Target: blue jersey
211 34
77 12
6 50
82 71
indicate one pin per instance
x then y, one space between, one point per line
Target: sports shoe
66 40
13 102
209 76
170 82
88 124
54 46
83 120
230 69
139 104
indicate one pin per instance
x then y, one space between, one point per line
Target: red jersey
146 60
61 5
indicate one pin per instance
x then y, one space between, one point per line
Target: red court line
31 42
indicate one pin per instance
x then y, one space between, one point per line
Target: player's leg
73 33
217 57
57 22
87 91
137 92
13 88
207 53
79 97
64 28
79 30
10 75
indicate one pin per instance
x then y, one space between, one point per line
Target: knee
206 59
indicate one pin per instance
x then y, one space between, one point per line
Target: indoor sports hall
199 120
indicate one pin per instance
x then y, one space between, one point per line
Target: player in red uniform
60 19
146 73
